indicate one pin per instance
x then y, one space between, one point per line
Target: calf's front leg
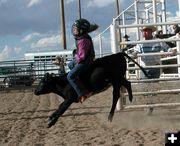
59 112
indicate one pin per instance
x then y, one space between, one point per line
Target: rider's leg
73 79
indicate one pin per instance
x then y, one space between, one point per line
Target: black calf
104 71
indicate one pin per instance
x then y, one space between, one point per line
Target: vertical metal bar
100 46
113 35
179 5
178 50
147 12
163 11
154 11
79 9
119 22
123 21
117 7
63 24
136 18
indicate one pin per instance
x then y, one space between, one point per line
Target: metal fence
24 72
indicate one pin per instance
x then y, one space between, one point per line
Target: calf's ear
46 77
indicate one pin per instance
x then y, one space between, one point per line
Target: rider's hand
134 55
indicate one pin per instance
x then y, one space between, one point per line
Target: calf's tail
143 70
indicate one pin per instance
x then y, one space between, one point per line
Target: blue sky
34 25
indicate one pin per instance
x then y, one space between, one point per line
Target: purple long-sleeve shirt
85 51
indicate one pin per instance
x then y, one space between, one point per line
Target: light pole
117 7
79 9
119 21
63 24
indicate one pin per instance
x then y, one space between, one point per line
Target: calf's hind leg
116 96
127 85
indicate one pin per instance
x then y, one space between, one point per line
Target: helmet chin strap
80 32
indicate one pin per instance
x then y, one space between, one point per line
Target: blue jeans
61 71
74 81
152 73
71 64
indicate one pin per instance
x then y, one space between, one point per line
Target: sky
34 25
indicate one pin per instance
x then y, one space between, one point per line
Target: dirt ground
23 122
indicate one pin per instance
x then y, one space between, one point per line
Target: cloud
9 52
33 2
2 2
177 13
99 3
5 53
30 36
17 50
47 42
69 1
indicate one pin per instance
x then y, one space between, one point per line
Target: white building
43 61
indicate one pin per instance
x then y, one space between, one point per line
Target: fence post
178 55
114 49
100 46
114 42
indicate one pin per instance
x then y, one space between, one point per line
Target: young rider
85 55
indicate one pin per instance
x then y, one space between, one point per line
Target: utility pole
117 7
63 24
79 9
119 21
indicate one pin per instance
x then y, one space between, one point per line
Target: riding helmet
83 25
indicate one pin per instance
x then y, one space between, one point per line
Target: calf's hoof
52 122
110 117
130 98
50 118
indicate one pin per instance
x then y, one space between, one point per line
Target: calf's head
45 85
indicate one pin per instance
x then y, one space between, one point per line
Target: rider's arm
83 48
